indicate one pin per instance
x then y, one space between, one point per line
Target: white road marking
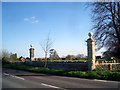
17 77
6 74
105 81
13 76
52 86
100 80
49 85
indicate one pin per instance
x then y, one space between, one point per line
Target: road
23 79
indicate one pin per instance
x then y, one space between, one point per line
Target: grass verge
96 74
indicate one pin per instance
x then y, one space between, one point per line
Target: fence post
91 52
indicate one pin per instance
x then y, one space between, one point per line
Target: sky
26 23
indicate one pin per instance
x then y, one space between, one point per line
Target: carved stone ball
90 34
31 46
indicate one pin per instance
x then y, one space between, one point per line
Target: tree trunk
45 61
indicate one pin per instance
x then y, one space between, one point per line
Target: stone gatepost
31 53
91 52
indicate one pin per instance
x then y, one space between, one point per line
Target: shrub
115 76
76 73
92 75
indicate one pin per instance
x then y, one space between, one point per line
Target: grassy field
96 74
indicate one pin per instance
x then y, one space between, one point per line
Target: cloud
32 20
37 21
26 19
33 17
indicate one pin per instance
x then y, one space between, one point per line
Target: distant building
21 59
107 57
98 57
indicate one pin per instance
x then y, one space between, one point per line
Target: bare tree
46 45
106 26
5 56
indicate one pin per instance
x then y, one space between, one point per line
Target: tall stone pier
31 53
91 52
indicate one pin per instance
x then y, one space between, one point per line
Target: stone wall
75 66
109 66
83 66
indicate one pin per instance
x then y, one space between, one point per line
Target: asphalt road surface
23 79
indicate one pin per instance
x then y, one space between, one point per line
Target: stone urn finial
31 46
90 34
